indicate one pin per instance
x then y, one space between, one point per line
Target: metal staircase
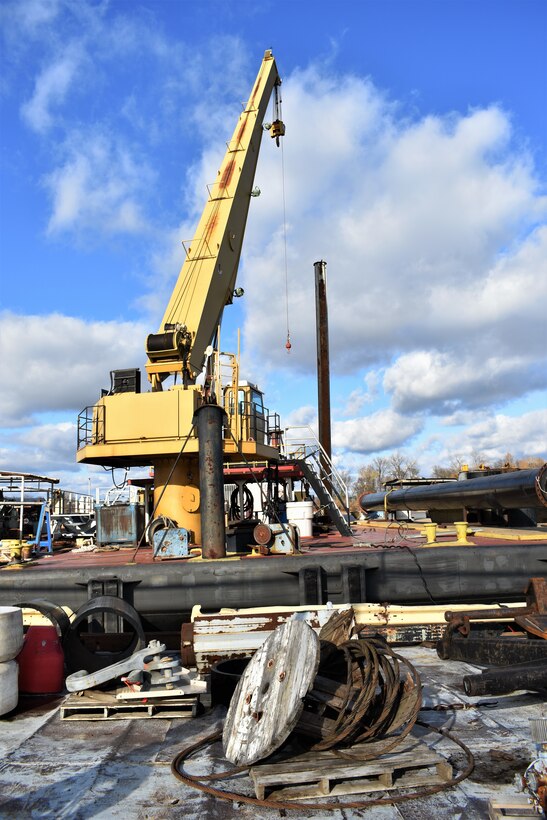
320 473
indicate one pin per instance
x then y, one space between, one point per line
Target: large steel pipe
515 490
506 679
323 359
210 419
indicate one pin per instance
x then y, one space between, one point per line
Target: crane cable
288 343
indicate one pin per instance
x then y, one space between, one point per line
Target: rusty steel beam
213 637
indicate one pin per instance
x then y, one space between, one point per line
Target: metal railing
91 428
307 447
67 502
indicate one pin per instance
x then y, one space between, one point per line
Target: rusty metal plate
269 697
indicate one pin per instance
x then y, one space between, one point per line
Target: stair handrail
309 453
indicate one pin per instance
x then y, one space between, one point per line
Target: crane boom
207 279
127 427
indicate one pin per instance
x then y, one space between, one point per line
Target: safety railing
91 426
67 502
305 446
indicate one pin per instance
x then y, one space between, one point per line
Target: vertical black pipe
323 364
209 420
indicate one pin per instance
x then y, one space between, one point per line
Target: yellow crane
127 427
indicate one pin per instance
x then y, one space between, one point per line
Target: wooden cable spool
269 697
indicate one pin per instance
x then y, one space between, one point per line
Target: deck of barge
365 539
67 770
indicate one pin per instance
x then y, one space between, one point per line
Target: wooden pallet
326 774
515 808
103 706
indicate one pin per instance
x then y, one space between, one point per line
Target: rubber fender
79 657
56 614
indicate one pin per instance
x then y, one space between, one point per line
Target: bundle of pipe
515 490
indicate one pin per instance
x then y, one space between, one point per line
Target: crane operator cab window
252 414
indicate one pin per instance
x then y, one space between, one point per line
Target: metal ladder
321 475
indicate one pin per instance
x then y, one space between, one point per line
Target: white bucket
11 632
9 689
300 513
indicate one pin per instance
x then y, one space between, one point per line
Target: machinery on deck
127 427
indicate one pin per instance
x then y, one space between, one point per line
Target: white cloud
445 382
495 436
424 226
382 430
358 398
302 417
50 449
51 88
43 448
28 17
98 186
492 435
58 362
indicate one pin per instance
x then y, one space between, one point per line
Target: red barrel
41 662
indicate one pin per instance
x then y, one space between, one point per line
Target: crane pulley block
277 129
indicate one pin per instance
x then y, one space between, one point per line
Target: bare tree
442 472
477 460
380 465
366 481
456 463
399 466
505 462
529 462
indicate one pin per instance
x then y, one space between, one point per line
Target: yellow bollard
461 532
15 551
430 533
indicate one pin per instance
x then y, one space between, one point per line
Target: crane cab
245 408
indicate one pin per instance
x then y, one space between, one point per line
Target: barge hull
164 593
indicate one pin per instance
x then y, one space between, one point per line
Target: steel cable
200 782
378 702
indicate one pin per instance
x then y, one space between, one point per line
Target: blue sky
415 165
